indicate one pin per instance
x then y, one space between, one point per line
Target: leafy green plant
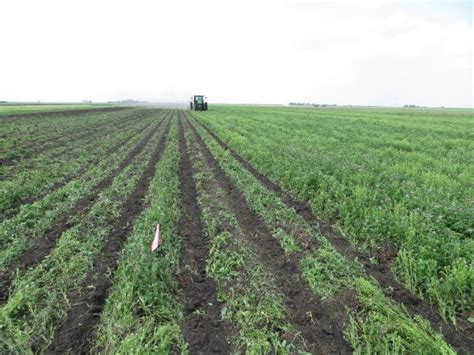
382 327
380 174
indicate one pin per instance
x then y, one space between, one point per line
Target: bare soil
56 186
204 331
77 332
305 311
43 246
64 113
461 339
49 143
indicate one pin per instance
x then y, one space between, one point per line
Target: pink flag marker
156 242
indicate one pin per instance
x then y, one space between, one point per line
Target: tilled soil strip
24 153
305 310
77 332
458 338
32 199
204 330
41 142
103 131
67 113
43 246
51 135
33 149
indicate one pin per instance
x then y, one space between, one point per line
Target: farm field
283 230
15 109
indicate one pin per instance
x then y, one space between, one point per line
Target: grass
384 328
142 313
326 271
35 176
382 174
249 299
294 235
39 297
384 177
18 232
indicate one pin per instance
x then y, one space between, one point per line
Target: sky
376 52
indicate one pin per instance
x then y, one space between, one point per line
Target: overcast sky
343 52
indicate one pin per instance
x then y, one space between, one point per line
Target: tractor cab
198 103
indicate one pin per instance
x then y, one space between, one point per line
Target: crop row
392 183
40 294
27 132
241 267
14 110
31 181
339 283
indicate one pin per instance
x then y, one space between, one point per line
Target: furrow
202 326
42 246
78 329
49 144
306 312
381 272
33 198
68 113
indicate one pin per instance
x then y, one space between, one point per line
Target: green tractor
198 103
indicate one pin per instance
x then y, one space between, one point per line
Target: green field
283 230
401 176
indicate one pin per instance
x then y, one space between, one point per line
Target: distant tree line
128 101
310 104
413 106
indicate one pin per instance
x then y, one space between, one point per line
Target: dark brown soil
204 331
32 199
461 339
215 204
64 113
124 125
63 139
305 310
43 246
76 334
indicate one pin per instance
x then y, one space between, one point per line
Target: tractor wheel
205 106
